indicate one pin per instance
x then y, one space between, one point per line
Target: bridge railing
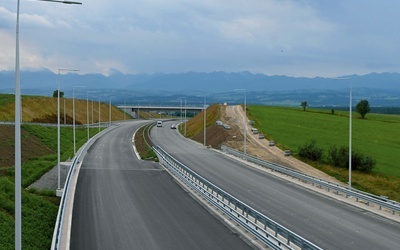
359 195
272 234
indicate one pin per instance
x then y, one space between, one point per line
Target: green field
39 209
376 136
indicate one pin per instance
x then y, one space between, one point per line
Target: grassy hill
39 154
44 109
39 209
376 136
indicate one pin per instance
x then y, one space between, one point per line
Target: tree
311 151
304 105
56 92
363 108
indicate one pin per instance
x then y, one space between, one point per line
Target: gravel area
49 180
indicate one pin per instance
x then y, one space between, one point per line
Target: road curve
324 221
123 203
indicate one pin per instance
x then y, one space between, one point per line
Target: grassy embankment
39 154
196 124
375 136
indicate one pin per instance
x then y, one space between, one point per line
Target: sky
303 38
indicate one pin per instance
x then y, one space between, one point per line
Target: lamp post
58 126
350 122
65 115
109 105
124 108
87 113
138 109
244 122
73 113
181 110
17 164
185 112
185 116
204 118
92 111
99 114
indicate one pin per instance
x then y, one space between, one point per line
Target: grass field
39 209
377 136
38 107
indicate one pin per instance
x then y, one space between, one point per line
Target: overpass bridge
169 110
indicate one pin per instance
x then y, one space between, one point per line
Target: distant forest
377 110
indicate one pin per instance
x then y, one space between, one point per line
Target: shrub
339 157
361 162
310 151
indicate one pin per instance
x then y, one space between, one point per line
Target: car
159 123
226 126
173 126
261 136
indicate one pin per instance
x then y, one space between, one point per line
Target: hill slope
44 109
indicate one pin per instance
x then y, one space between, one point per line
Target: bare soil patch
30 145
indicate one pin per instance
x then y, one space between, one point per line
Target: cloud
298 38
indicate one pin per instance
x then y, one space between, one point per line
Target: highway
123 203
326 222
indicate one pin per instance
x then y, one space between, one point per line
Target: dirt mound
52 118
215 136
31 147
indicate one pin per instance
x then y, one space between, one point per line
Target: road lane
124 203
324 221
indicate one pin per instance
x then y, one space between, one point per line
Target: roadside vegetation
39 108
143 144
39 209
196 124
323 132
39 155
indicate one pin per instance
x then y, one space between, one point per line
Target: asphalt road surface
326 222
123 203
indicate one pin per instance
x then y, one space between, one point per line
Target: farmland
376 136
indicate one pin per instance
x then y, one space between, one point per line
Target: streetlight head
64 2
71 2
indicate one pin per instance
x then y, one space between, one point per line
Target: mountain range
382 89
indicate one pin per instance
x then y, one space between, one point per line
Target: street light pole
65 116
17 164
185 112
73 113
204 118
185 116
87 113
92 111
205 121
99 114
350 124
109 123
124 108
58 127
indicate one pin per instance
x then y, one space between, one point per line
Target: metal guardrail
272 234
367 197
55 243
